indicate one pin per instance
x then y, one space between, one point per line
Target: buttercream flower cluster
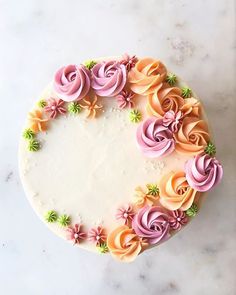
106 78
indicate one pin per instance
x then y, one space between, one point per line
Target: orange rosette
147 76
170 98
124 244
164 100
192 137
175 192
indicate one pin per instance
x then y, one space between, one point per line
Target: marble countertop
196 40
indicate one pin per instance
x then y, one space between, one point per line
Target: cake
116 156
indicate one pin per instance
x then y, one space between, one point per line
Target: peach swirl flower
175 192
164 100
37 123
124 244
170 99
147 76
192 137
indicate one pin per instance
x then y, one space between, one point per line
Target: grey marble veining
196 40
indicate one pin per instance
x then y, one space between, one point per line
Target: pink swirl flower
108 78
152 224
172 120
203 172
154 139
72 82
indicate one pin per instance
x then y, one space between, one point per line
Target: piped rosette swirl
154 139
108 78
72 82
203 172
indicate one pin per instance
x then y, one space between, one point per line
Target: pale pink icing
152 224
154 139
172 120
72 82
203 172
108 78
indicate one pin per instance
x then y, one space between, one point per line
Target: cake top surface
117 154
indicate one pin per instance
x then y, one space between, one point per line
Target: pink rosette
108 78
154 139
72 82
152 224
203 172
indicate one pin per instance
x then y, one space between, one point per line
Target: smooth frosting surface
97 175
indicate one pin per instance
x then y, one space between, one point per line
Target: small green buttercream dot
192 211
28 133
51 216
74 108
90 64
103 248
135 116
186 92
34 145
42 103
171 79
210 149
153 189
64 220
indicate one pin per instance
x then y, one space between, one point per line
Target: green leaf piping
28 134
153 189
171 79
34 145
192 211
135 116
64 220
210 149
186 92
74 108
90 64
51 216
42 103
102 248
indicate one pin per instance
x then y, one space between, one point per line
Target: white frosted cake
116 155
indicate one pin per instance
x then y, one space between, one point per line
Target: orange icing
142 198
164 100
37 123
91 107
147 76
124 244
175 192
192 137
192 107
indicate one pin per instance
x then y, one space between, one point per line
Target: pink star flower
129 61
75 234
125 213
55 107
177 219
125 99
97 235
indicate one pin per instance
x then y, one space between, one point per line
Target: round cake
116 155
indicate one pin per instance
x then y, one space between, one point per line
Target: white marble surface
195 39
